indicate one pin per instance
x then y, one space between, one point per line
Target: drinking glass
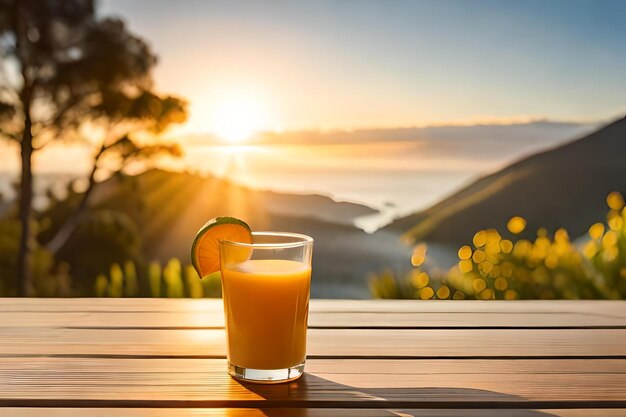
266 287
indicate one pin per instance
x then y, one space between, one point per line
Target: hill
170 207
562 187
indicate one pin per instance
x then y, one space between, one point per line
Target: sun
236 118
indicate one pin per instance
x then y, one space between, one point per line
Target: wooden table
150 357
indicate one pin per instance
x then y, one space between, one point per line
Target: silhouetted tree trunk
23 283
24 270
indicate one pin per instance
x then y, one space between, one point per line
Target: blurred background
433 149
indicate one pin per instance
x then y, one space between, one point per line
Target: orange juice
266 302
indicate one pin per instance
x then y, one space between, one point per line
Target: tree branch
65 232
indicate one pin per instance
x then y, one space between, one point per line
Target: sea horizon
394 173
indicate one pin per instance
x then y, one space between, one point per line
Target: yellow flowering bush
548 267
606 248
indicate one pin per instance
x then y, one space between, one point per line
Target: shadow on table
311 391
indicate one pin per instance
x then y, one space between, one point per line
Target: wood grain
321 342
615 308
328 383
366 358
181 313
318 319
299 412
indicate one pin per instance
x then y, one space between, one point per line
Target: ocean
395 173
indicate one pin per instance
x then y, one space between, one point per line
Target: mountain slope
562 187
170 207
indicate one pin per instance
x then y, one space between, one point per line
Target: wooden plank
317 319
204 412
298 412
121 305
327 384
322 343
180 313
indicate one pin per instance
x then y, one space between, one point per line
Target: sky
350 64
391 103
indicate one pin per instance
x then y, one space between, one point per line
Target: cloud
542 130
469 142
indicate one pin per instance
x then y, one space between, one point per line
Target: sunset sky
378 102
287 65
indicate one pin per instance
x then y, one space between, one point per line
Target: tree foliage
68 74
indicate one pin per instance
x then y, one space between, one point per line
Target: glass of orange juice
266 286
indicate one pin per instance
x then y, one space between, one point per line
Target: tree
67 74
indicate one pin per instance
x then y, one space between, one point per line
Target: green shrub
103 238
154 278
49 278
171 281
